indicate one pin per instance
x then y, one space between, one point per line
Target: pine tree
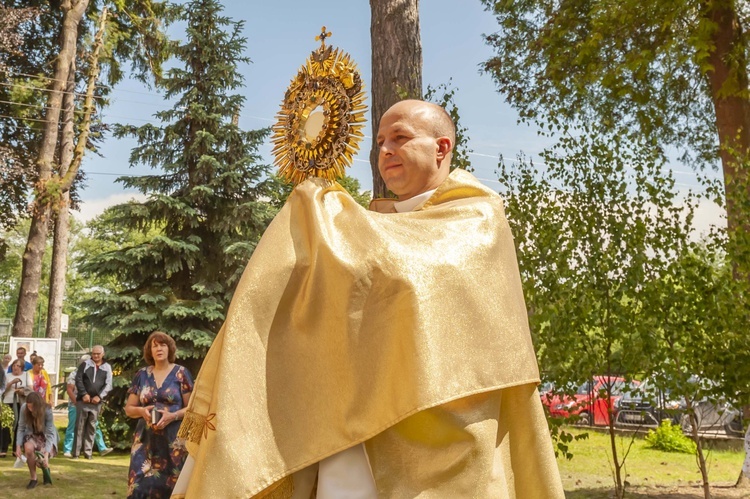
205 212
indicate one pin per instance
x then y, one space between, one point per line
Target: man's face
97 355
21 353
409 152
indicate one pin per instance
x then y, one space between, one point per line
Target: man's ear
445 146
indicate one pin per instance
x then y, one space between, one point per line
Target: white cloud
95 207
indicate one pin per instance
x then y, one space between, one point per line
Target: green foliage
10 270
561 438
669 439
6 416
176 258
620 64
354 188
134 36
444 94
281 189
83 242
593 227
614 272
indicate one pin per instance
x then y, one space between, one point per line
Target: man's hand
96 399
19 453
86 398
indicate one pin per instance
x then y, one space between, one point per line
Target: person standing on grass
93 383
14 395
157 398
71 429
37 437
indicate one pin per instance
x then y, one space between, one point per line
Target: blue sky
281 34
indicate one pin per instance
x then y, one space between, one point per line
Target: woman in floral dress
163 388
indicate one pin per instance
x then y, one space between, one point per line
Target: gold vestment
405 331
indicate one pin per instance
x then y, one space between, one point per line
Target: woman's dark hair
37 360
163 339
17 362
40 409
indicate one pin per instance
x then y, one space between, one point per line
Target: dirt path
688 492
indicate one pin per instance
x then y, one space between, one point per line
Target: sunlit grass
72 478
588 475
590 471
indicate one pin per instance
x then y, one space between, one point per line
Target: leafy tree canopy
628 64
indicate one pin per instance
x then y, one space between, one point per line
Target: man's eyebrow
396 128
400 128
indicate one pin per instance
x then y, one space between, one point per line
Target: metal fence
76 341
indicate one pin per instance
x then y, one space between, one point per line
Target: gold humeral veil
406 331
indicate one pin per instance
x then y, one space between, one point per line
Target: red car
590 403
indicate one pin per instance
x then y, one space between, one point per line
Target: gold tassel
195 426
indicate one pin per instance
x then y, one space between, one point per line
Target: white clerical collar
414 203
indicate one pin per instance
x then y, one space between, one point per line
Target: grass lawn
649 472
71 478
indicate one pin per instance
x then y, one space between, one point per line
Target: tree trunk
729 81
67 179
743 482
62 221
619 488
31 273
699 448
396 65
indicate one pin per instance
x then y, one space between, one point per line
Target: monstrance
319 126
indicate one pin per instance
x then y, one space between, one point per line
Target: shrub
669 439
6 416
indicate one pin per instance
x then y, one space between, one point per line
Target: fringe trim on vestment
195 426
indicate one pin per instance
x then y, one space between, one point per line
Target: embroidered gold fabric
347 322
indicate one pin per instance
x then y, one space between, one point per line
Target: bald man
391 356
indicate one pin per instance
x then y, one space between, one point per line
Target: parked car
590 403
647 406
546 392
714 417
